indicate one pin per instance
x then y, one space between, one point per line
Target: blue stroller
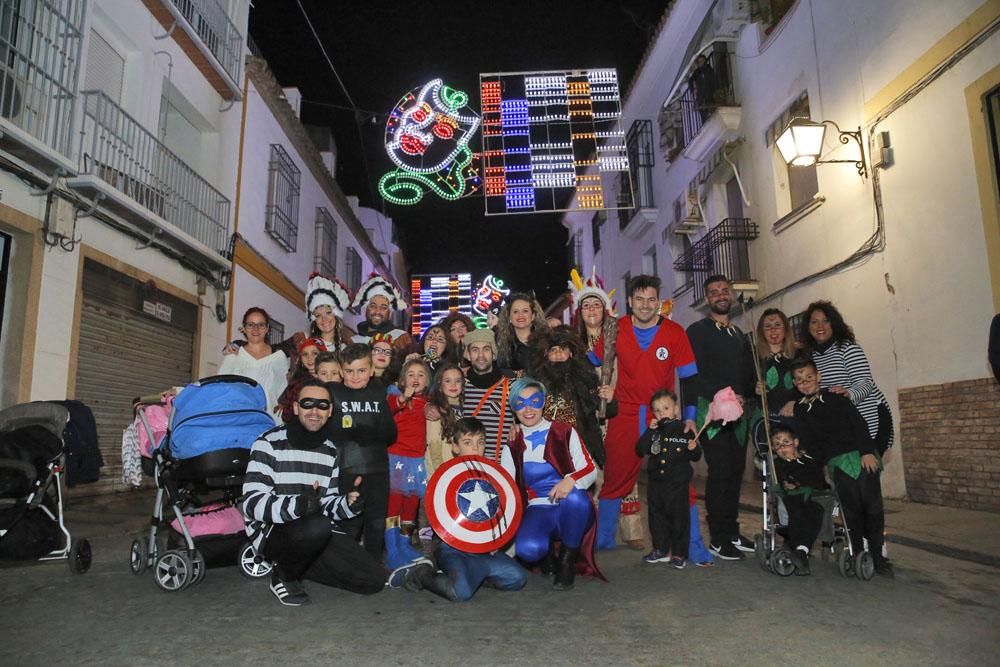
199 466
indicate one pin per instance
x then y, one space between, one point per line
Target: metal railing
724 249
39 65
639 144
707 88
212 26
120 151
325 253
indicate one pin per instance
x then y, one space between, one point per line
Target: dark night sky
383 49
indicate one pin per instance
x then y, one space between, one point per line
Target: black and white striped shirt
846 365
494 411
279 472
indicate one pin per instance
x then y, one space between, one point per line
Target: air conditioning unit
21 102
730 16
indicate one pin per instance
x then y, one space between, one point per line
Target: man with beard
559 361
650 351
487 390
380 298
724 359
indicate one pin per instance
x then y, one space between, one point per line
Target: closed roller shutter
123 353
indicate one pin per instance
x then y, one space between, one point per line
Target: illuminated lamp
801 144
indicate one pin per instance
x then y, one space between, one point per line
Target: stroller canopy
49 416
221 412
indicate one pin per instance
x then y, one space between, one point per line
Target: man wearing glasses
293 505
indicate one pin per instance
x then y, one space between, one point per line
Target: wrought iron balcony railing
707 89
723 249
39 65
210 22
117 149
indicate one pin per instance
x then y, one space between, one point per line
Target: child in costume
463 573
305 368
670 453
799 476
553 470
831 425
407 474
444 408
328 367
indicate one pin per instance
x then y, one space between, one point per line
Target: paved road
937 611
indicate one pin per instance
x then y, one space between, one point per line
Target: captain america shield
473 504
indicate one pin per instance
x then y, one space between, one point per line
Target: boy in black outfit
833 427
800 475
669 467
362 428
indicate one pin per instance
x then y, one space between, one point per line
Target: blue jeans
467 572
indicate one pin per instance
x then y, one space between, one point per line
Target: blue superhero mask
536 401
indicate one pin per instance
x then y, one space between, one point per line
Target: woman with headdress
326 301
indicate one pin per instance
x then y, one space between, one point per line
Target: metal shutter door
123 353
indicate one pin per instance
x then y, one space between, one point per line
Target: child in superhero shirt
463 573
670 453
799 477
363 428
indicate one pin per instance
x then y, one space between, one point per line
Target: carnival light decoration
488 297
427 137
435 296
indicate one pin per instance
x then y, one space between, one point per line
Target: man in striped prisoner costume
292 504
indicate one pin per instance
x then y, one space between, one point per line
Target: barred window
574 251
276 332
353 262
282 212
639 141
325 257
595 228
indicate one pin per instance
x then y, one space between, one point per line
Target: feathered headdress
594 286
323 291
376 285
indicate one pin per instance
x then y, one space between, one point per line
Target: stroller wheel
80 556
138 556
252 565
173 570
845 564
758 546
781 562
198 566
864 566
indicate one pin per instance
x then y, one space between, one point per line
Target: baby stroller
834 537
199 465
32 459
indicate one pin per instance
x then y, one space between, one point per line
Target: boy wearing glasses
799 476
292 500
363 428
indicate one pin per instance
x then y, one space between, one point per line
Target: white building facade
909 252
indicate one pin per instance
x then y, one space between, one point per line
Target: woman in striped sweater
844 368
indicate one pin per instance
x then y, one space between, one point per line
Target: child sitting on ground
830 425
670 453
799 477
328 367
407 474
463 573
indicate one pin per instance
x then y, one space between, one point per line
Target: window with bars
352 260
276 332
639 143
325 252
574 250
282 212
595 228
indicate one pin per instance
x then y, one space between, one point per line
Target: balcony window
116 149
39 64
352 260
325 258
596 223
724 249
282 212
709 87
105 68
639 143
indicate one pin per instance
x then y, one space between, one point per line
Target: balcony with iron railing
137 177
637 211
724 249
39 66
704 109
208 36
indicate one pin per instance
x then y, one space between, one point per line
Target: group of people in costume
569 414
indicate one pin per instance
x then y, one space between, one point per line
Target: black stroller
32 459
834 536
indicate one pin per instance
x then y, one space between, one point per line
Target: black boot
565 569
548 564
425 577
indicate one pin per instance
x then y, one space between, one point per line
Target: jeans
467 572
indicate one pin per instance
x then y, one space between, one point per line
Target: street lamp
801 144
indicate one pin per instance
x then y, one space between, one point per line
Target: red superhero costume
640 374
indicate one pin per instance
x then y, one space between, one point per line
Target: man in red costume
650 350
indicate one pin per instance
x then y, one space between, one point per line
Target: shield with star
474 505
